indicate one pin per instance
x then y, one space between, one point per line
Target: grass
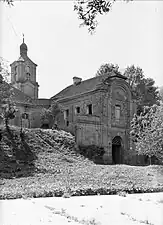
45 164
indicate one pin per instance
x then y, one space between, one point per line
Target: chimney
77 80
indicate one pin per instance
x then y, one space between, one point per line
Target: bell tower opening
117 150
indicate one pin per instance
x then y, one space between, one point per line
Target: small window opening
25 116
27 69
16 69
89 109
117 112
28 76
77 110
67 113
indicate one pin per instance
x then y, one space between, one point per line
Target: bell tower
23 73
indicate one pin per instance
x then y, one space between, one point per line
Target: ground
136 209
44 163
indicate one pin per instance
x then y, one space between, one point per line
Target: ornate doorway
117 150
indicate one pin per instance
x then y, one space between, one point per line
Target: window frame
117 112
27 69
66 117
28 76
77 110
15 70
89 109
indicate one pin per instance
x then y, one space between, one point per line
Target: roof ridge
95 80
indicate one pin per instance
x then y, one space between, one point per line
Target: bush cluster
92 152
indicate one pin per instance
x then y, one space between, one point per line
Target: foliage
107 68
8 112
85 180
147 132
18 152
143 89
9 2
7 106
92 152
161 93
137 121
4 70
53 155
16 156
88 11
49 115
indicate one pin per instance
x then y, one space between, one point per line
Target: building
98 112
26 88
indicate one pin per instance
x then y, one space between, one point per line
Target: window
15 76
89 109
77 110
27 69
28 76
25 116
66 115
15 73
117 112
16 69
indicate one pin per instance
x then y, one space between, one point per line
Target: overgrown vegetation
45 163
147 132
48 116
7 106
92 152
16 156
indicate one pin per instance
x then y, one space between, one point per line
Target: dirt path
136 209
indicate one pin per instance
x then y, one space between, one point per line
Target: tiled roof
23 59
19 96
30 61
84 86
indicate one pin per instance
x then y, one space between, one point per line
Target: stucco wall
101 127
34 118
82 118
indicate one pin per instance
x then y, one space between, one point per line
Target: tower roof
23 48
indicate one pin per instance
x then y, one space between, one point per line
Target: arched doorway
45 126
117 150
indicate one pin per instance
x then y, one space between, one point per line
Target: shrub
92 152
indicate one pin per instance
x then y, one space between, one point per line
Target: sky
131 33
